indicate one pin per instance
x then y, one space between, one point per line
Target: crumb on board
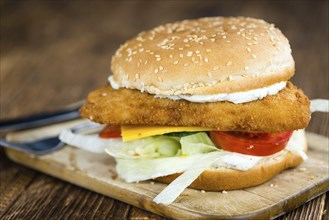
202 191
224 192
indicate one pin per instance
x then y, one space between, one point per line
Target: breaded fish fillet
287 110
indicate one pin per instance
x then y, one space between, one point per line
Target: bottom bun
229 179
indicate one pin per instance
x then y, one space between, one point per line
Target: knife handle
36 120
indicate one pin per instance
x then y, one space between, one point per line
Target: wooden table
52 54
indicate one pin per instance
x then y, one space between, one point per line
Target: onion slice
320 105
91 143
175 188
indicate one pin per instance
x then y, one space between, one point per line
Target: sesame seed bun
204 56
229 179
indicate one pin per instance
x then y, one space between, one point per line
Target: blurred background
54 52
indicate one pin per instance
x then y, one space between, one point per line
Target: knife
67 113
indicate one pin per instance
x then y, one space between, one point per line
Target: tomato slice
111 131
257 144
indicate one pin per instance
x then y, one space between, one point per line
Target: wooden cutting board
97 173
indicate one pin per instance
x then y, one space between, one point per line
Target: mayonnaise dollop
235 97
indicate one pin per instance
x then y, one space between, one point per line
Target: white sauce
113 83
236 97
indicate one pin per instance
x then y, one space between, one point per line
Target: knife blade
36 120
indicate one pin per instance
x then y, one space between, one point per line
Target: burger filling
149 152
250 143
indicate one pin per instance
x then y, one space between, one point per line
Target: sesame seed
246 68
216 67
206 60
181 55
190 53
160 79
104 94
137 76
156 71
249 44
212 39
186 64
171 56
208 50
175 62
145 62
194 60
224 37
160 68
248 49
254 56
180 48
229 63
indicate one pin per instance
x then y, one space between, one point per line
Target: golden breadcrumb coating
285 111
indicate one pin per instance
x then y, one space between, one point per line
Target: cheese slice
133 132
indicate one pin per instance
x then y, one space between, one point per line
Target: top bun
204 56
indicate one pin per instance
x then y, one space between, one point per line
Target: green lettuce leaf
151 147
198 143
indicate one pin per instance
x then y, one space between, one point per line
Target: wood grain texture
54 53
